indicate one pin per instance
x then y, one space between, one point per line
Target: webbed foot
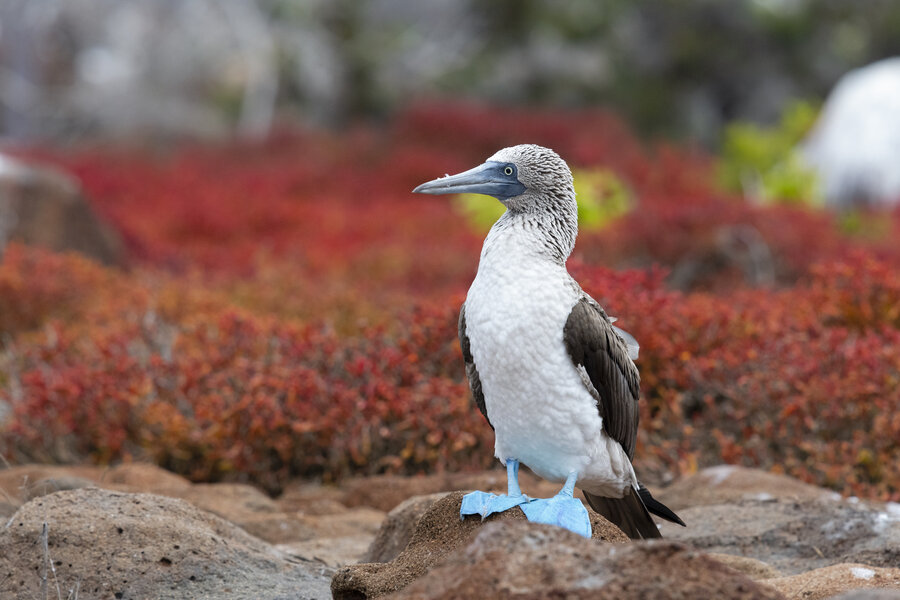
562 510
484 503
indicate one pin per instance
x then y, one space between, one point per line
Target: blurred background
211 258
211 68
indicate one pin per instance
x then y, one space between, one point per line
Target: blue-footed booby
547 368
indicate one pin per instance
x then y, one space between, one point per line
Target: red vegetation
292 312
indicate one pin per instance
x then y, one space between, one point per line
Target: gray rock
876 594
132 546
333 551
724 484
525 560
847 578
795 536
43 206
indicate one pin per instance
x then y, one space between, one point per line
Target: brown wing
471 371
593 344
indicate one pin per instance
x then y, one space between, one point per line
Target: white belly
538 404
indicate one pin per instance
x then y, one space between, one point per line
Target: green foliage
764 164
602 197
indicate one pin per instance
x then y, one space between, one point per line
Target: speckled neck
547 232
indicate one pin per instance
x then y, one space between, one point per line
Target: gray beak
489 179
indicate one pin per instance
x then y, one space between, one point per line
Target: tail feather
658 508
628 513
631 513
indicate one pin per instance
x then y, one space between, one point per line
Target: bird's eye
508 170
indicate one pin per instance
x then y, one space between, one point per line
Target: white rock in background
855 146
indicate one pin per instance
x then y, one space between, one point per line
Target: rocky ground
138 532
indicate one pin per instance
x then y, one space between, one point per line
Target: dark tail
658 508
631 513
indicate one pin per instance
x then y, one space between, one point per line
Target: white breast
542 414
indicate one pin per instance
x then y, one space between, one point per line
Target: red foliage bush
293 313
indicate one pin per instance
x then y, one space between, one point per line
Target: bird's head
525 178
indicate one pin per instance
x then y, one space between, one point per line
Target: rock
438 533
333 552
854 144
49 485
752 568
869 594
829 581
133 546
531 561
232 501
384 492
15 481
353 521
28 481
146 477
249 508
7 509
277 528
724 484
795 536
43 206
311 499
398 527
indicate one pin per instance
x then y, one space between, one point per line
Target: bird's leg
484 503
512 478
562 510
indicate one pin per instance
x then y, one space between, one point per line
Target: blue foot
562 510
484 504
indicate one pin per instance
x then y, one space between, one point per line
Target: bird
555 379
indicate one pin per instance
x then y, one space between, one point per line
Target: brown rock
7 509
795 536
524 560
829 581
248 507
384 492
398 527
333 552
724 484
49 485
146 477
869 594
311 499
752 568
14 481
353 521
277 528
43 206
110 544
438 533
235 502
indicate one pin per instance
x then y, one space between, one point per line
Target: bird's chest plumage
543 415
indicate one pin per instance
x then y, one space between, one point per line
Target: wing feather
594 345
471 370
